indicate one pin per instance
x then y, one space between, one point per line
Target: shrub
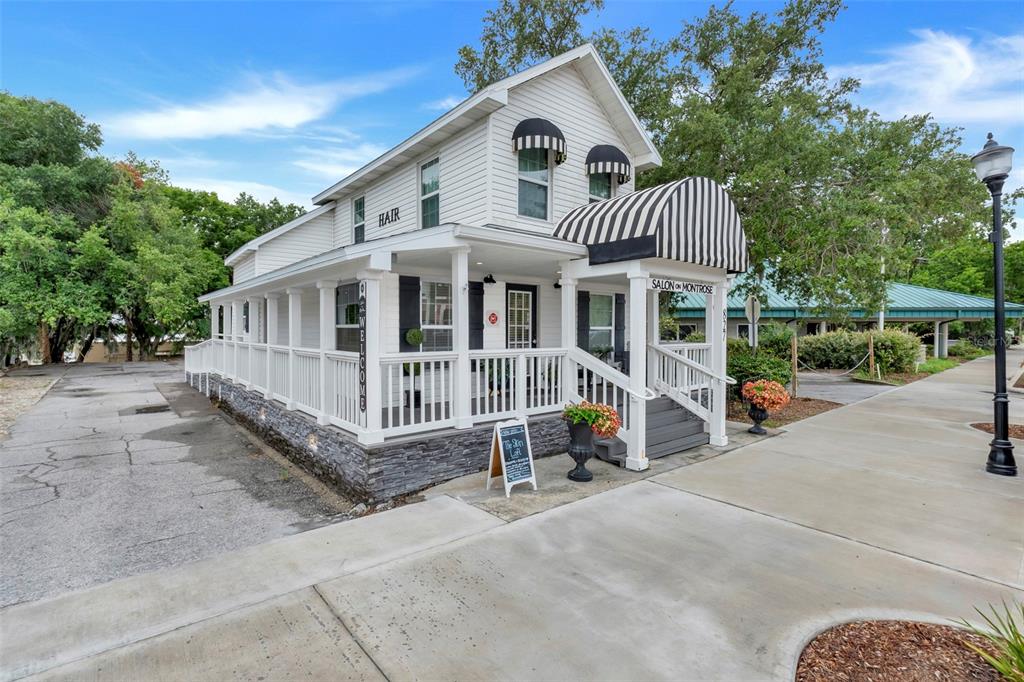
1006 634
774 339
966 350
694 337
746 367
895 351
736 346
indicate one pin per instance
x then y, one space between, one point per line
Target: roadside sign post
753 311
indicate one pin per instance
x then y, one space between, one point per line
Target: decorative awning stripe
604 158
539 133
694 220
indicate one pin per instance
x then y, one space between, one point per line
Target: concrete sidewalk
718 570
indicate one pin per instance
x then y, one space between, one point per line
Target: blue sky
284 99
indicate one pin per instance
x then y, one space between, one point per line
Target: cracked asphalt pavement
123 469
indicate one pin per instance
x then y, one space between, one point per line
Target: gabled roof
495 96
904 301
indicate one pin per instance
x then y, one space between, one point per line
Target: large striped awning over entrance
691 220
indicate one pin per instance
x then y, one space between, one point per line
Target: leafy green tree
34 132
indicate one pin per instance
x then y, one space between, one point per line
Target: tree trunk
128 340
86 346
44 344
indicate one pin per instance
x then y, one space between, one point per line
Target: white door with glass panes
520 319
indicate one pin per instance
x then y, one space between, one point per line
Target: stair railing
686 382
599 382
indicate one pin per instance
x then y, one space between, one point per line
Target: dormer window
534 183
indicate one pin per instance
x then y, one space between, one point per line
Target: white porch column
568 371
653 335
253 337
271 338
214 320
236 333
461 406
294 339
716 323
328 336
636 449
822 327
370 289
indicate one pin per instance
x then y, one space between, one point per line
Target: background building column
328 337
636 449
942 340
461 406
294 339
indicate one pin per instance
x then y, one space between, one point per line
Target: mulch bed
1016 430
798 408
894 651
1020 382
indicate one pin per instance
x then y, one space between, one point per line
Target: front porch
279 339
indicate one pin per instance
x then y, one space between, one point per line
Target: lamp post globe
993 164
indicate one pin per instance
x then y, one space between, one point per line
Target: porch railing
694 352
417 390
690 384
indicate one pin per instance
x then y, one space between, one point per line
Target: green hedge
775 339
895 351
745 366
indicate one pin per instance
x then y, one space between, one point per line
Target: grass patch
936 365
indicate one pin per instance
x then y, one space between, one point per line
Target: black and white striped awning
604 158
539 133
691 220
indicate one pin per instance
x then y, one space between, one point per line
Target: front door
521 330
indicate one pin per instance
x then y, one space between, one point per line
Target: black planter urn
581 448
757 415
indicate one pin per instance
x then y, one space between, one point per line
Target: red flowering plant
603 419
767 395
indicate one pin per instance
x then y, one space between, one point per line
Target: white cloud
443 104
228 190
339 162
958 80
265 103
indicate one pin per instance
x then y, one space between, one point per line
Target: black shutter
476 315
619 335
583 319
408 310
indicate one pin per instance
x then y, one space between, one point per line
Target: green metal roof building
907 303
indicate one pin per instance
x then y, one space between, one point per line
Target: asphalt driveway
121 469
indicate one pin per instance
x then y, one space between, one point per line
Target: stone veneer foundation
370 473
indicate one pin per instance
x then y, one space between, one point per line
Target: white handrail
609 373
693 365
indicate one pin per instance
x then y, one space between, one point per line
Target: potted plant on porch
413 337
584 420
764 396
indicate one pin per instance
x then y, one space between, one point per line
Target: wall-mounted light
558 285
489 279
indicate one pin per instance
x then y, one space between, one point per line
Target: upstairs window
430 194
534 183
359 220
600 187
436 316
347 320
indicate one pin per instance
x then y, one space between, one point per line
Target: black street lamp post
992 164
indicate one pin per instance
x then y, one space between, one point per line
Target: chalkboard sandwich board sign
511 457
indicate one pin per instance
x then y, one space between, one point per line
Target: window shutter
583 319
619 335
408 310
476 315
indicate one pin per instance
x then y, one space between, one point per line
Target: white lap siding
342 223
309 239
244 268
562 97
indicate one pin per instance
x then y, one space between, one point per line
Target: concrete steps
670 429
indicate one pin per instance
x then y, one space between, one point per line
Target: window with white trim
359 220
347 317
600 187
602 323
534 183
245 317
430 194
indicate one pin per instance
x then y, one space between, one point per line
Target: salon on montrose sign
680 286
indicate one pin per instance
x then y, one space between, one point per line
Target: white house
496 263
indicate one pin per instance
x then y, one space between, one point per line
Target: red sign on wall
492 318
